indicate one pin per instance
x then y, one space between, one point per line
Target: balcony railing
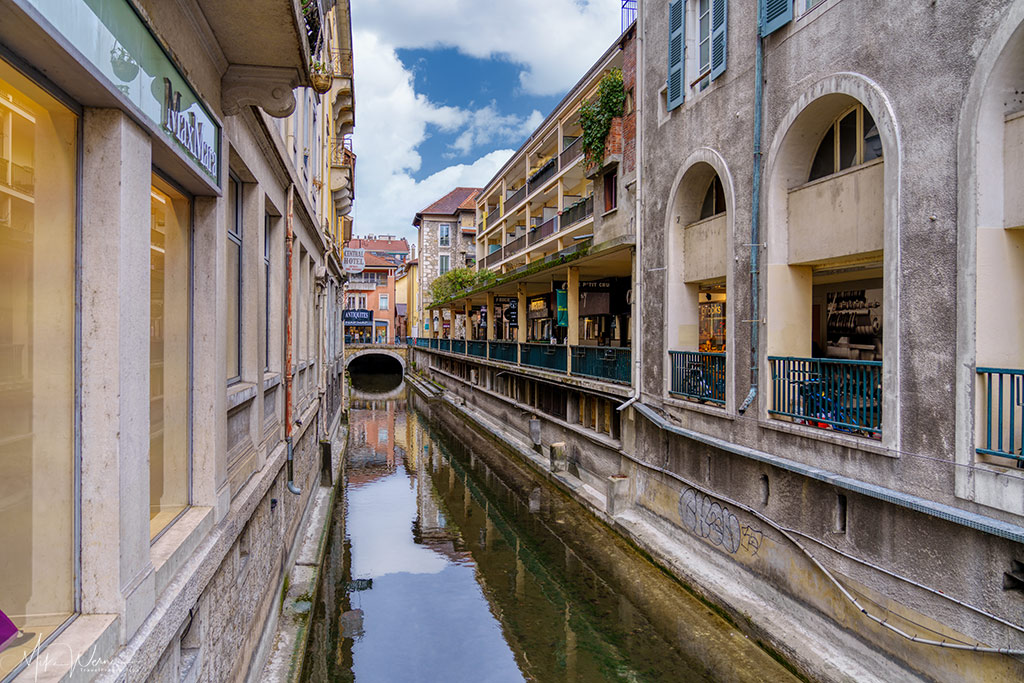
458 345
433 342
477 348
570 153
514 198
444 344
341 153
545 229
577 212
602 362
492 258
542 175
515 246
341 63
547 356
504 351
1003 394
845 395
697 375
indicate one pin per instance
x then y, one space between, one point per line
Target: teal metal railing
502 350
458 345
602 362
547 356
433 342
697 375
477 348
1003 393
444 344
845 395
423 342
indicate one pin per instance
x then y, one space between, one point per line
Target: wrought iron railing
569 154
547 356
477 348
698 375
341 63
845 395
458 345
548 227
502 350
341 154
514 198
602 362
542 175
1002 391
577 212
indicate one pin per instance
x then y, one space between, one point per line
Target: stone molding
270 88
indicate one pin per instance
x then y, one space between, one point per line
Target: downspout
289 238
638 213
755 219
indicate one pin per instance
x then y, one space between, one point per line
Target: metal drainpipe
289 238
755 219
638 268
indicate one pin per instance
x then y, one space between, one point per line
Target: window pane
872 141
825 159
234 259
848 141
37 334
168 356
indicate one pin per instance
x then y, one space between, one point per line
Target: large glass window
168 355
38 143
233 319
266 292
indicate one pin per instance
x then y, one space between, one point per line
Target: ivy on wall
596 116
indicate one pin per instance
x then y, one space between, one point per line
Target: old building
446 230
369 314
819 425
163 389
386 247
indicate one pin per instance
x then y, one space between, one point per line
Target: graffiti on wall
716 523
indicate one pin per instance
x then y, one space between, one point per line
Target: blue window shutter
775 14
676 52
719 23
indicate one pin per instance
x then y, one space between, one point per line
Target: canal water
450 561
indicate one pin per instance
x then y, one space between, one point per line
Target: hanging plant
320 76
596 116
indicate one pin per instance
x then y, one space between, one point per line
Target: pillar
573 301
521 314
467 309
492 316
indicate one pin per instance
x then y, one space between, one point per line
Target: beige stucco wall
1013 173
704 246
837 217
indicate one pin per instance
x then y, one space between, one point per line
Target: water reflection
449 564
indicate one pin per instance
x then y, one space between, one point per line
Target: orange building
369 314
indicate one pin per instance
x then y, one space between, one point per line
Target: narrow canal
449 561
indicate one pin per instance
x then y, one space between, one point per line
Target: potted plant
320 76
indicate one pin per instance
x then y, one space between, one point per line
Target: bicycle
822 410
700 382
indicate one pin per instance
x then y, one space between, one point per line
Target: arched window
714 200
851 140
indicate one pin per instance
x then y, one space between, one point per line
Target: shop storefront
358 324
604 312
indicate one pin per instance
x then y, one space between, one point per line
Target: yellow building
407 294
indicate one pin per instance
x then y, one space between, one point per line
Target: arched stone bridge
397 352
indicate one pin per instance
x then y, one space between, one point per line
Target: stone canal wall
792 555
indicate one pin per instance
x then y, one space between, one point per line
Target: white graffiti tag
716 523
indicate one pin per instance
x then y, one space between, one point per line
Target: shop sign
111 37
511 313
561 308
538 308
506 300
357 317
353 261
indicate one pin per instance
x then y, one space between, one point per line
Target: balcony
493 258
545 229
515 246
515 198
579 211
1002 391
602 362
844 395
698 376
542 175
341 63
546 356
570 153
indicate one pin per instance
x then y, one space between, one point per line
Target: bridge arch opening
376 363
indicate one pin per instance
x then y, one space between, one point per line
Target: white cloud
555 41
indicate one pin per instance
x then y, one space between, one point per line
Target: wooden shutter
676 40
775 14
719 23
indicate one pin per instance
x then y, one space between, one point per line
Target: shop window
851 140
611 187
233 319
38 142
168 355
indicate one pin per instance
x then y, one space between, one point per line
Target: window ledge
178 543
706 408
829 436
271 380
240 393
610 211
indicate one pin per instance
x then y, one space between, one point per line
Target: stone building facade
446 233
164 390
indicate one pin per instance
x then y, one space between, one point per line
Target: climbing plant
596 116
457 280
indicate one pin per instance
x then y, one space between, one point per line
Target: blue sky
446 90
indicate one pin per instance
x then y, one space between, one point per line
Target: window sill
271 380
239 394
705 408
839 174
610 211
177 544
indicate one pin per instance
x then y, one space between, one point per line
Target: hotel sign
111 38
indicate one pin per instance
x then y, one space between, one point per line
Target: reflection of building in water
373 450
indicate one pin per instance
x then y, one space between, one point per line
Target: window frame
611 190
267 219
443 264
444 234
236 238
859 136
